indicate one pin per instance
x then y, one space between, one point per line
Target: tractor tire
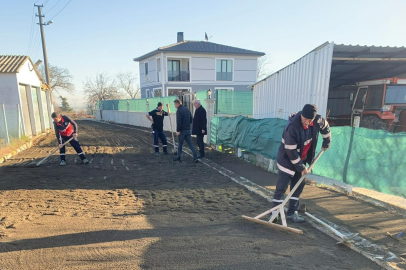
372 122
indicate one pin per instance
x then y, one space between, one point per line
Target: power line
60 10
31 29
45 2
38 47
34 42
53 6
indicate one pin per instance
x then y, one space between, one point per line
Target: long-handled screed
173 137
53 151
280 208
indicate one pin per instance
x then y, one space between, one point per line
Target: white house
190 66
25 95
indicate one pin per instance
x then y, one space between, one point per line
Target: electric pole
44 48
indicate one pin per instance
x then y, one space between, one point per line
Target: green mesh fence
138 105
153 102
202 95
259 136
372 159
234 103
107 104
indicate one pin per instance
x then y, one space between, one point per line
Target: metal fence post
19 121
5 124
128 112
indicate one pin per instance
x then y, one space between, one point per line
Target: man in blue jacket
298 147
183 121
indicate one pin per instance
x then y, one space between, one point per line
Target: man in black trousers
199 126
183 121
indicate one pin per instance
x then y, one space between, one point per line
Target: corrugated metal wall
305 81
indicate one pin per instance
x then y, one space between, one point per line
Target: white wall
134 118
152 71
28 76
245 70
304 81
203 69
9 89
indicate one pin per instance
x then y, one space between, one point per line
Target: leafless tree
128 82
59 78
99 88
262 70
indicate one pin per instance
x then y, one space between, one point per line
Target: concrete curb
22 147
15 152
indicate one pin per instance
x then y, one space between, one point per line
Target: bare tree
59 78
99 88
128 82
262 70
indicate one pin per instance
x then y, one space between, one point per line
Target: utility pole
44 48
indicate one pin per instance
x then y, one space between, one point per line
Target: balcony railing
178 76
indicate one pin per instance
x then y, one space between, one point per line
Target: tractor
381 104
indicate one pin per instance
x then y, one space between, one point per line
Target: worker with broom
298 147
65 129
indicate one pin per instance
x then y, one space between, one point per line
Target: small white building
327 77
25 95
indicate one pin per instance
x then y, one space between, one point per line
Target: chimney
180 37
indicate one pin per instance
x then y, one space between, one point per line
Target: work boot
157 154
196 160
295 218
166 153
85 161
63 163
276 220
177 159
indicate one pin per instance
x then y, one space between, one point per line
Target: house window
146 68
224 70
173 70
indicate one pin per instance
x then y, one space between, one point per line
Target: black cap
309 111
159 104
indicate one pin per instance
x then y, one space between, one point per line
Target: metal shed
326 74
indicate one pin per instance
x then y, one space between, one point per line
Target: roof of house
200 47
13 64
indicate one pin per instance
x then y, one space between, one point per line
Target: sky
90 37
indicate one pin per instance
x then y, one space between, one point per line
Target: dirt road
130 209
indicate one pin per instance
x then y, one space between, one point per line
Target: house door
25 111
45 109
36 109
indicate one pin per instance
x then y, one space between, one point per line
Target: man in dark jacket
298 147
199 126
183 121
66 128
157 121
